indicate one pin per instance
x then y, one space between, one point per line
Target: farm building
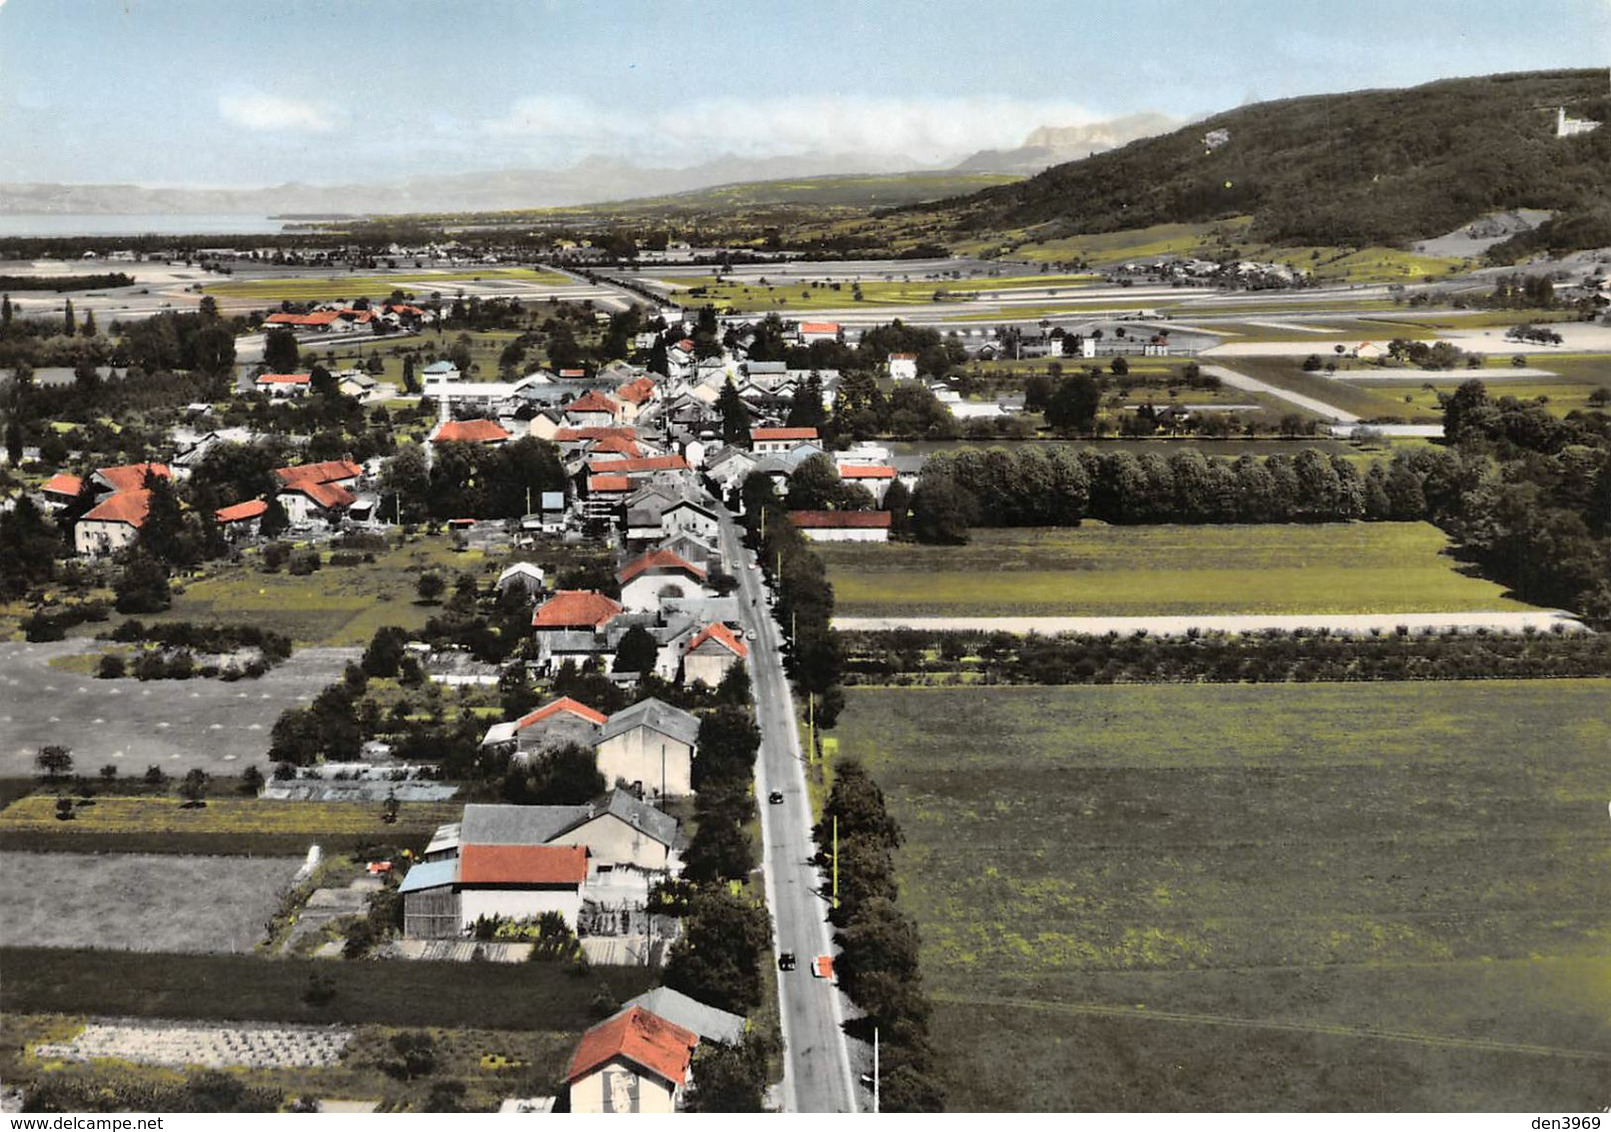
442 899
656 575
842 526
711 653
553 725
633 1062
649 746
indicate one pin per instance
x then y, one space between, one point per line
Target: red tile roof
840 519
618 446
240 512
596 432
686 345
522 864
657 560
284 318
573 373
570 609
819 328
329 496
131 477
722 635
470 432
783 434
640 464
326 471
591 402
284 378
563 704
321 318
647 1040
903 357
866 472
128 507
637 391
609 483
63 484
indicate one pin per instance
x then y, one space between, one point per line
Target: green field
321 288
1369 401
744 295
1327 897
1097 570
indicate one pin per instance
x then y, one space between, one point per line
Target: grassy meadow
1326 897
1099 570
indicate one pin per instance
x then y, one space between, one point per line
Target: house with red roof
810 332
659 574
241 520
842 526
443 898
126 477
488 434
592 410
903 367
777 441
555 724
318 491
713 650
575 610
60 490
284 385
636 396
634 1062
876 478
113 523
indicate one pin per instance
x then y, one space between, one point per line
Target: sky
263 92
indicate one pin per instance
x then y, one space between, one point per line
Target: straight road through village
816 1075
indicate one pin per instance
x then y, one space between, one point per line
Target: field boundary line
1329 1029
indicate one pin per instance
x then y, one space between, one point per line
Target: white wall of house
847 534
518 904
635 757
709 663
617 1086
645 591
678 520
614 843
99 536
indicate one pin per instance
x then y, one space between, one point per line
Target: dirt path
1541 620
1254 385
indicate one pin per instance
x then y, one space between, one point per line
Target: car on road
822 967
786 961
775 798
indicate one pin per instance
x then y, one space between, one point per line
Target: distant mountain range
591 181
1056 145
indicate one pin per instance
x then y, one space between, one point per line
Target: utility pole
811 727
875 1070
662 773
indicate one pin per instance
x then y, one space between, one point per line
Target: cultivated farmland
1098 570
1351 897
131 902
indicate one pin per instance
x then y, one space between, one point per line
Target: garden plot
178 1045
140 902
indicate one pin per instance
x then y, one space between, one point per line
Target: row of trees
724 796
804 606
470 480
878 961
916 657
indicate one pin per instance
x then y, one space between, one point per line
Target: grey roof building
655 715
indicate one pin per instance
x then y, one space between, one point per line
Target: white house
876 478
842 526
777 441
649 745
656 575
903 367
711 653
633 1062
443 899
113 523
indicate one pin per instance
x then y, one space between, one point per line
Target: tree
251 781
735 416
5 310
941 511
725 754
415 1055
275 522
389 808
430 587
567 776
69 322
636 651
730 1078
193 788
88 330
410 382
54 761
717 959
280 351
142 587
385 652
1074 403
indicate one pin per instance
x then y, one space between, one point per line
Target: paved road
816 1074
1541 620
1254 385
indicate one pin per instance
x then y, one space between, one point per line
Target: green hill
1369 167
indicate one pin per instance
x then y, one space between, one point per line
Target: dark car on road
775 798
786 961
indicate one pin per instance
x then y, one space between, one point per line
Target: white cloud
922 128
271 112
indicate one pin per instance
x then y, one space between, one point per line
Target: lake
46 224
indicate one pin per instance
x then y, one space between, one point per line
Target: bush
112 667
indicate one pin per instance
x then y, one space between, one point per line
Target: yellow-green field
1352 897
150 814
741 295
321 288
1097 570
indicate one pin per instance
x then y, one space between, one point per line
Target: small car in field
775 798
786 961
